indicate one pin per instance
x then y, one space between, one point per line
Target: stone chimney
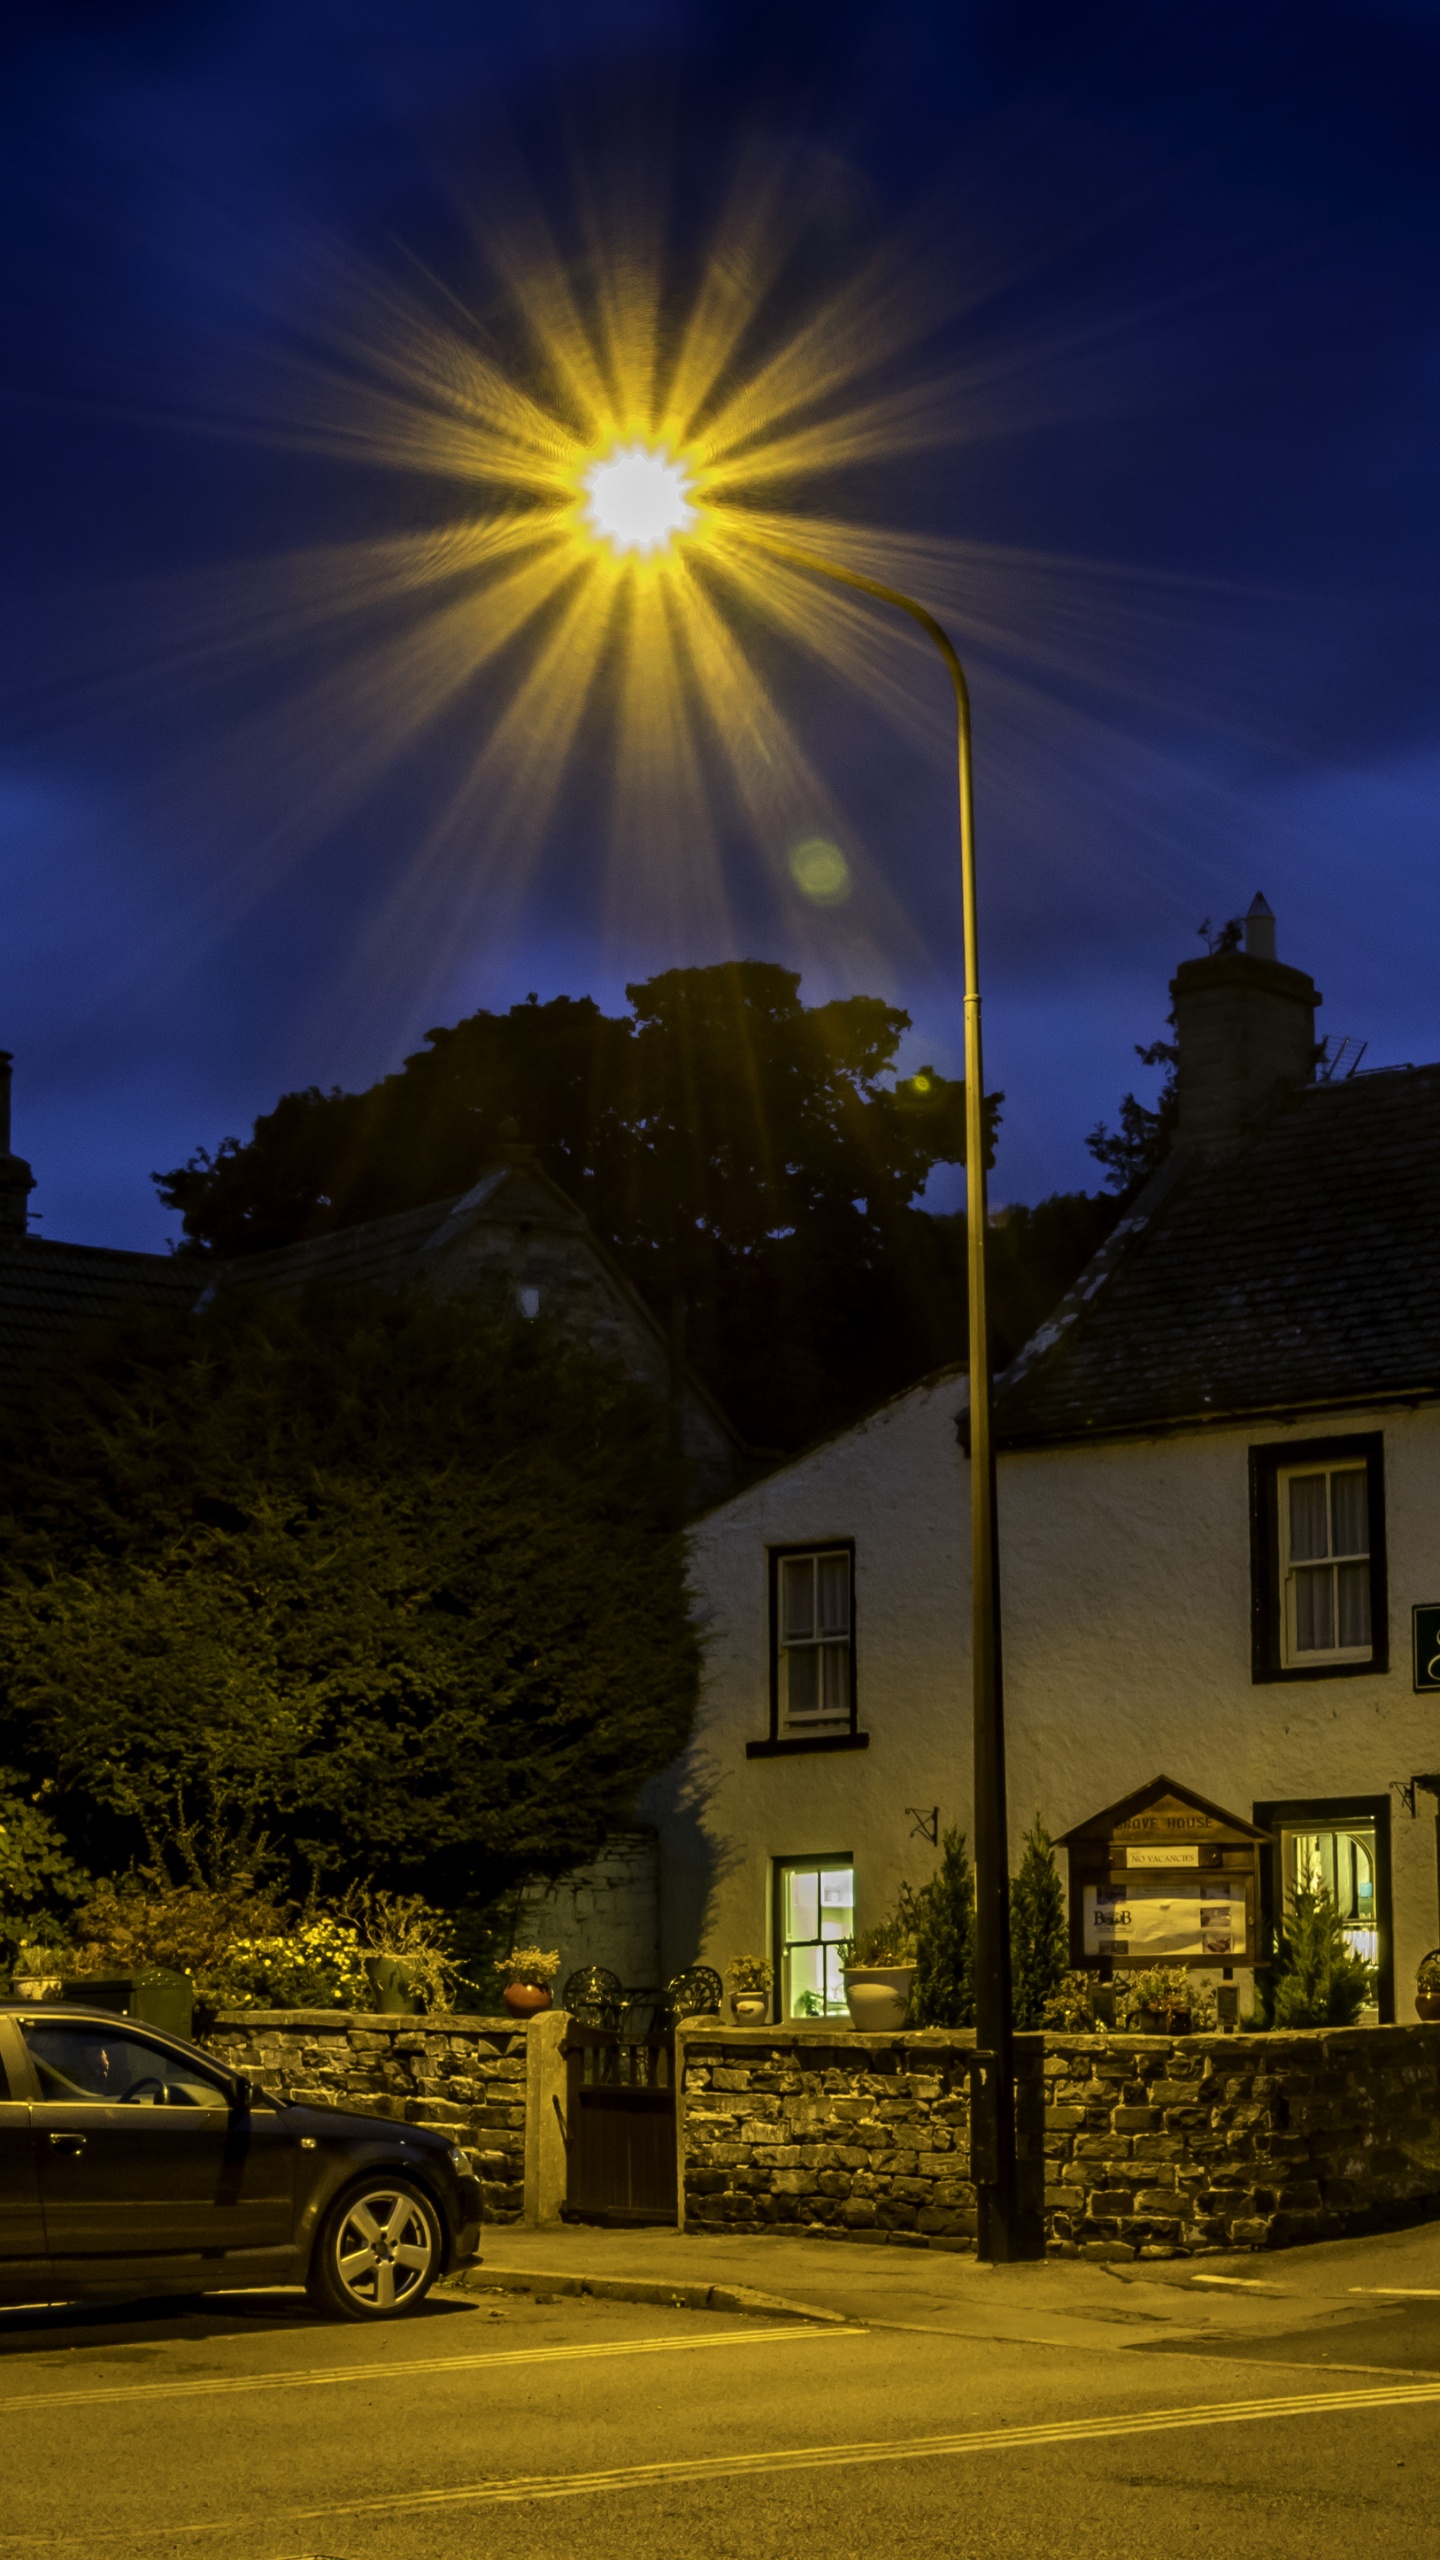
1245 1028
16 1179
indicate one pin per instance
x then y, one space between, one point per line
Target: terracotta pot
878 1995
1427 2005
750 2008
526 1999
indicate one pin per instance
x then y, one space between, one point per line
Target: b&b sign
1426 1623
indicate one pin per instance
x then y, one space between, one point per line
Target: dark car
133 2163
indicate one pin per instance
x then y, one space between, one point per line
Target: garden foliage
370 1591
942 1913
1039 1934
1317 1980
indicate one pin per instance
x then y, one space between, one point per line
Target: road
251 2431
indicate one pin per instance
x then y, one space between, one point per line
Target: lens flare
637 499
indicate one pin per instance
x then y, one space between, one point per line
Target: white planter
878 1995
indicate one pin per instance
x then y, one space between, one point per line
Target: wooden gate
619 2126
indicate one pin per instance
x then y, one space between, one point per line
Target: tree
1318 1980
758 1157
1144 1138
942 1913
39 1880
1039 1938
365 1588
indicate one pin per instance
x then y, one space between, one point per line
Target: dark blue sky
1191 253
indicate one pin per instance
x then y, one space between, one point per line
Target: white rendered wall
1126 1606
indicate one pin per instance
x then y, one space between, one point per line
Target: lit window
1325 1554
815 1688
816 1911
1341 1861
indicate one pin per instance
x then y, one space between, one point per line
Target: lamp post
638 501
1002 2231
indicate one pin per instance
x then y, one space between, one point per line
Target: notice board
1163 1877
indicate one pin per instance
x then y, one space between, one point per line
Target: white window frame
793 1724
826 1943
1293 1656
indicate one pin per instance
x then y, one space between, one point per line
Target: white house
1220 1539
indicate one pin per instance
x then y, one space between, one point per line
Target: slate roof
46 1288
1301 1268
380 1254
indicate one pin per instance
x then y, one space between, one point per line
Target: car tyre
378 2251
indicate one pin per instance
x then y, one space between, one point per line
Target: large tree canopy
755 1156
394 1592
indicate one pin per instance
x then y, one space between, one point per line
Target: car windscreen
77 2062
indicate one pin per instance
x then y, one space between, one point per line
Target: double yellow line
532 2487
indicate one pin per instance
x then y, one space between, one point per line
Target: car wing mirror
242 2094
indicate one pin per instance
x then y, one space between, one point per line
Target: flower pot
1427 2003
750 2008
392 1984
527 1999
878 1995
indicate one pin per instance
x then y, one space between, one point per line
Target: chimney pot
1260 928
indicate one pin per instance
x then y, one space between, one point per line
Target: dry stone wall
1153 2146
464 2075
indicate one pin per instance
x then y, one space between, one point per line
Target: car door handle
67 2141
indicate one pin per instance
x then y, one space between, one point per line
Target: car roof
73 2013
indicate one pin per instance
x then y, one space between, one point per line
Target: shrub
142 1919
942 1914
889 1942
1039 1937
319 1964
1318 1980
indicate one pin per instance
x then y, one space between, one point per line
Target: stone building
1219 1514
512 1243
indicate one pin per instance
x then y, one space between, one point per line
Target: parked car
134 2163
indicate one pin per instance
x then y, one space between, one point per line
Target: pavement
1368 2304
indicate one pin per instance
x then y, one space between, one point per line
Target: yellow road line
737 2465
224 2386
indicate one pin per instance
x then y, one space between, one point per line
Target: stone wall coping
1114 2040
397 2021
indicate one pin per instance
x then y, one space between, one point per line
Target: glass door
1341 1860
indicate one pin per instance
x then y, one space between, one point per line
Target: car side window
76 2064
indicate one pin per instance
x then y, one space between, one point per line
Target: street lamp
637 501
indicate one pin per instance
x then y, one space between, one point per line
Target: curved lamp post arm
1002 2225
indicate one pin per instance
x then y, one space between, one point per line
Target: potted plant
749 1978
879 1969
526 1975
1427 1986
1167 2001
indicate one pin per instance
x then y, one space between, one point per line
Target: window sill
794 1743
1351 1670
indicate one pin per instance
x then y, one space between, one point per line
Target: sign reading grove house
1163 1877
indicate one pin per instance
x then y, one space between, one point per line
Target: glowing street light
636 499
638 502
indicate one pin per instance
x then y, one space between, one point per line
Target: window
815 1910
1325 1550
1342 1843
812 1651
1318 1558
80 2064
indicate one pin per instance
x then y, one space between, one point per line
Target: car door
23 2265
145 2162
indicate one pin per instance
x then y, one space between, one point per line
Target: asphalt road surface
251 2431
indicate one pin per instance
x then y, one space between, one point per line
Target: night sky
1184 262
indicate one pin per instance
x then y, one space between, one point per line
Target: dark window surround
778 1746
1330 1813
1266 1460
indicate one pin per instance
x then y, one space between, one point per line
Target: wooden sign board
1163 1877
